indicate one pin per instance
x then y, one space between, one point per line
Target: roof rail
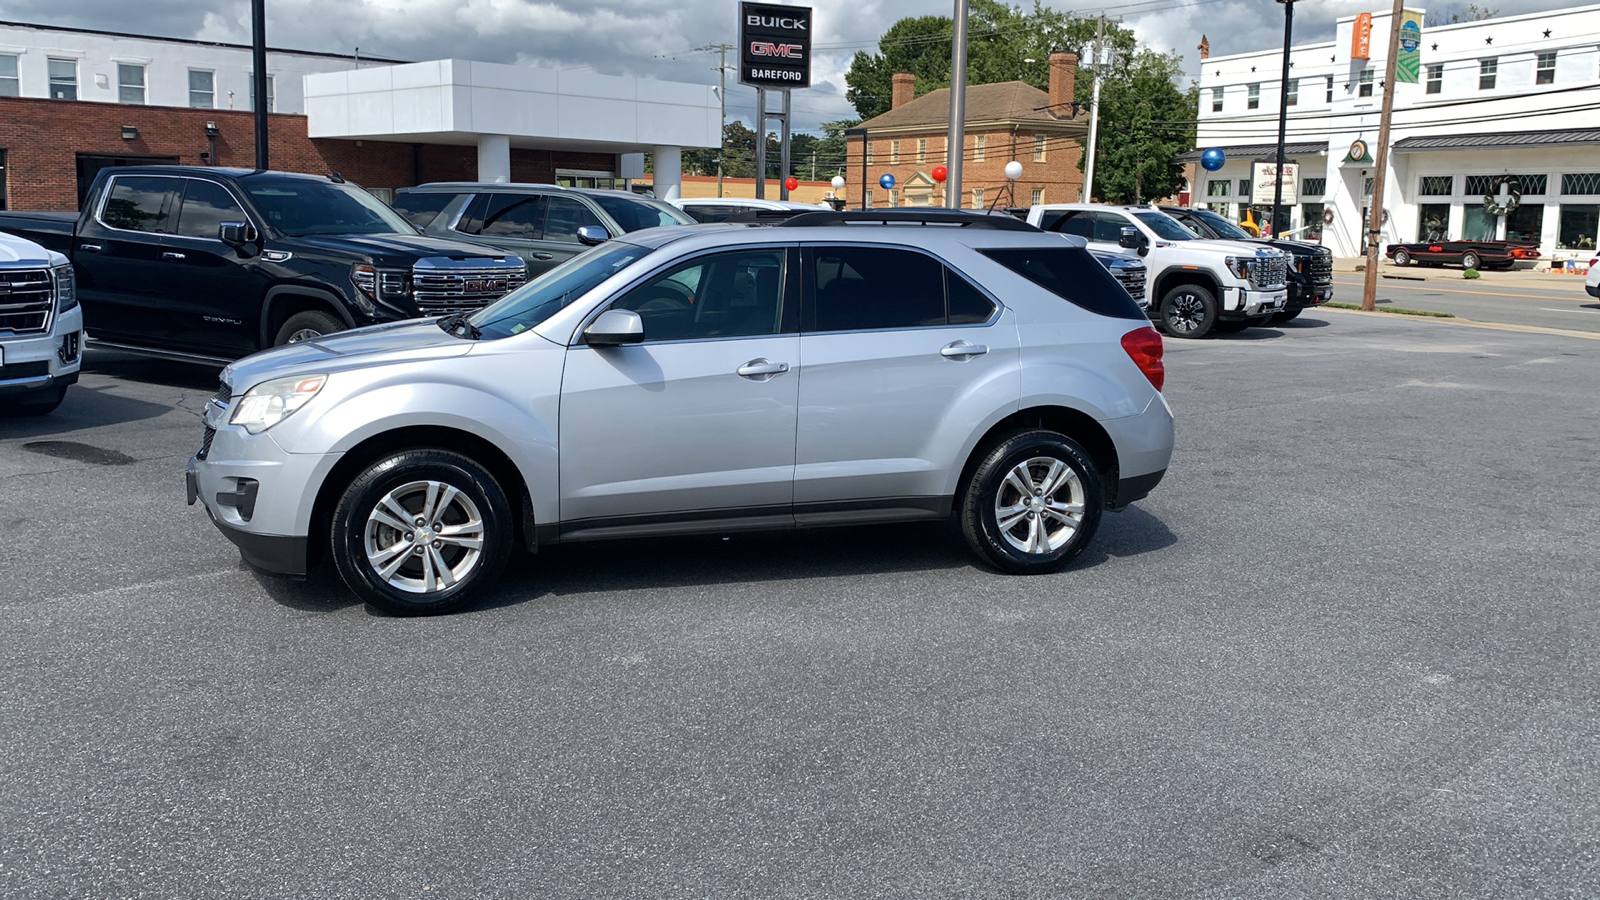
960 218
765 216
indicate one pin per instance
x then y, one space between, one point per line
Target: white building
1514 96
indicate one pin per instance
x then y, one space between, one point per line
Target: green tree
1140 108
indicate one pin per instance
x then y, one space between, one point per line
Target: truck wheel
421 532
1287 315
306 326
42 405
1470 260
1032 504
1402 258
1188 311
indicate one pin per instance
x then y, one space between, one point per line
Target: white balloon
838 182
1013 170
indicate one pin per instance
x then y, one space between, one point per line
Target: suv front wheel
421 531
1032 504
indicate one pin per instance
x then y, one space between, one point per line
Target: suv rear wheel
1188 311
1032 504
421 531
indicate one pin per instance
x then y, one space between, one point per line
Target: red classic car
1469 254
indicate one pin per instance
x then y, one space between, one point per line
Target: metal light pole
258 55
1369 288
722 97
956 141
1283 111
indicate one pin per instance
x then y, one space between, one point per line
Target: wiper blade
457 324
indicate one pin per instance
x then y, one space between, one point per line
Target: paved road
1348 649
1548 301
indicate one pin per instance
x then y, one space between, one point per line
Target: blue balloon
887 181
1212 159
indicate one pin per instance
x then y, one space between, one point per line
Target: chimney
1063 79
905 88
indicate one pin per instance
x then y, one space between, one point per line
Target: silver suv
840 368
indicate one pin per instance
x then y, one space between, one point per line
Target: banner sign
1264 182
774 46
1361 38
1408 64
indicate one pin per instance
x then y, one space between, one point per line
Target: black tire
990 488
1287 315
358 535
1402 258
1470 260
43 404
1188 311
305 326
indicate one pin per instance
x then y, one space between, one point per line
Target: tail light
1144 348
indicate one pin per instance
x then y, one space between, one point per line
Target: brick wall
42 139
1057 176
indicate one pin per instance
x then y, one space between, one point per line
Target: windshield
1223 227
543 297
638 213
1165 226
299 208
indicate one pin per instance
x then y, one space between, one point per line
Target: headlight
270 402
378 283
66 288
1240 266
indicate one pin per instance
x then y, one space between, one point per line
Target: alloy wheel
1040 505
423 537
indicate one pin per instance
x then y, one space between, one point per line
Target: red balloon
939 174
791 182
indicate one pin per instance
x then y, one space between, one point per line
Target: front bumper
43 363
276 553
1305 296
1242 303
1593 289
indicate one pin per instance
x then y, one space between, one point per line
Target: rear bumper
1136 488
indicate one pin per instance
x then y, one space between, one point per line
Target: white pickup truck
1194 286
41 328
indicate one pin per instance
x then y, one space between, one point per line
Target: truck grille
1132 277
1319 270
1268 272
26 301
443 287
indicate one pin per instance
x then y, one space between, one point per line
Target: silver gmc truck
41 328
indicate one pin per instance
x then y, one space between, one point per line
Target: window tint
967 304
513 216
138 204
421 208
858 288
566 216
636 213
701 212
206 205
1072 275
1076 222
722 295
1108 227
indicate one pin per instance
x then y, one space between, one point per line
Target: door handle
761 369
962 350
171 255
92 248
542 255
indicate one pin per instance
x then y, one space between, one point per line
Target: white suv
839 368
1194 286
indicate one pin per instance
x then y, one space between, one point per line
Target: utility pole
258 56
1369 290
1283 111
722 96
956 141
1094 107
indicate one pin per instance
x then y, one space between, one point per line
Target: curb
1469 323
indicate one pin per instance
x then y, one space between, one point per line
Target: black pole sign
774 46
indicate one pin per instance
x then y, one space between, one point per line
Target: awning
1260 151
1566 137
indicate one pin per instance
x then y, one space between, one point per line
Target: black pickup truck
1310 277
214 264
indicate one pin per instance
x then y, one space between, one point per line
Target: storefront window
1314 187
1220 209
1580 222
1526 223
1477 224
1217 187
1437 186
1433 221
1311 214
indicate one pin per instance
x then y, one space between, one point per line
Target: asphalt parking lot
1347 649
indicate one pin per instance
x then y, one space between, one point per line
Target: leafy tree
1134 161
1451 15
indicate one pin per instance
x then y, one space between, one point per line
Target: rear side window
634 214
1072 275
139 203
422 208
1076 222
863 288
512 216
705 212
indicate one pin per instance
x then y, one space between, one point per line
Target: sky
657 38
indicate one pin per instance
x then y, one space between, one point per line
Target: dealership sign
774 46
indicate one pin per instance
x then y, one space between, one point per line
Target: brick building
1013 120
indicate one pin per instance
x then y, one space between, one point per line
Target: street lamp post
850 133
1283 111
258 57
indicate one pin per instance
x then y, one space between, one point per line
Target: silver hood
414 340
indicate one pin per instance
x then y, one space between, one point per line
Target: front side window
130 83
1165 226
863 288
1488 71
566 216
1221 226
1435 78
138 203
202 89
10 84
206 205
1364 88
1038 147
1293 97
1545 71
1253 98
420 209
736 294
1216 99
530 305
63 79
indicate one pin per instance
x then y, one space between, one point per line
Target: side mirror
236 233
592 235
613 328
1130 237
